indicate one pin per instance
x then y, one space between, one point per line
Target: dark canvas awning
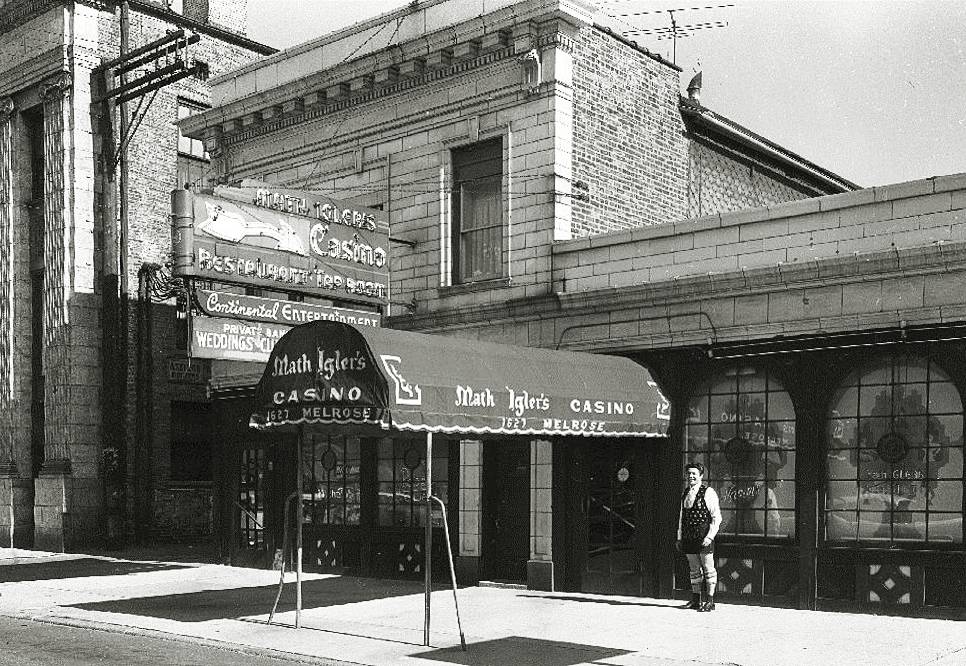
327 372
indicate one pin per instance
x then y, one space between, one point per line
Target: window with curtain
741 427
478 212
894 458
401 477
331 493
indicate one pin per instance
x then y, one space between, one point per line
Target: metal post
298 528
428 546
452 570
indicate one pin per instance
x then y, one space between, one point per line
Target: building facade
82 266
547 185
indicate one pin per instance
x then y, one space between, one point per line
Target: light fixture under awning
327 372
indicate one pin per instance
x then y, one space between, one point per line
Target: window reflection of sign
744 495
351 494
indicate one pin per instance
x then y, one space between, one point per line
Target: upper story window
477 231
187 145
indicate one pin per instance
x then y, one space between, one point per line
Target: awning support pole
428 546
298 528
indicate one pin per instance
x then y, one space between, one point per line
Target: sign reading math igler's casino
285 240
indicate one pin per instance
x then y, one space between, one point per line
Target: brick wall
628 143
153 167
720 184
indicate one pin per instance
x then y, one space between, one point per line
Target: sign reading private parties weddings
285 240
245 328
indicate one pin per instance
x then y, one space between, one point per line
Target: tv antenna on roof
675 29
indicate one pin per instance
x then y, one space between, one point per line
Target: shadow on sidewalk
77 568
596 600
522 650
244 601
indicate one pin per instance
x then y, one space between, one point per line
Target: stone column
468 557
52 490
8 465
540 565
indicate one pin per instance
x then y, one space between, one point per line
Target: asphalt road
29 643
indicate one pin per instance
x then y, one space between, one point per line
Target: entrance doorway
616 548
506 510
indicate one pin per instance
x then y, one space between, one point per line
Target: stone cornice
311 107
18 13
395 68
35 70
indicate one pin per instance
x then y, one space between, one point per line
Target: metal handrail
452 570
251 516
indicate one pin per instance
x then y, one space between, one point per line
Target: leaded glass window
401 477
741 427
330 480
895 455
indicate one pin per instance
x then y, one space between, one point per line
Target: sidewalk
367 621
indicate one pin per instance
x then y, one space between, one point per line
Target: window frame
480 162
320 486
864 455
714 392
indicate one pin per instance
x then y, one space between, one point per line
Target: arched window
895 455
741 426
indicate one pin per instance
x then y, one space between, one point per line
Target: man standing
698 523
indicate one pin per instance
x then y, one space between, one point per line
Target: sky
873 90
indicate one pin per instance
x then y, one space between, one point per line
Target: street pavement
368 621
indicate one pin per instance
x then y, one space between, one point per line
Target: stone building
77 464
547 185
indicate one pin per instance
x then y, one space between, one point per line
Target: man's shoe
694 604
706 606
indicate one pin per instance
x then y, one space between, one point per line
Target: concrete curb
227 646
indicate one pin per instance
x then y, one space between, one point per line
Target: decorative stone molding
6 260
336 97
557 40
57 87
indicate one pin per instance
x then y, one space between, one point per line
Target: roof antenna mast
675 30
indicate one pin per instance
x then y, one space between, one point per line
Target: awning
327 372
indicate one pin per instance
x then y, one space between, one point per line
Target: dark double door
611 541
